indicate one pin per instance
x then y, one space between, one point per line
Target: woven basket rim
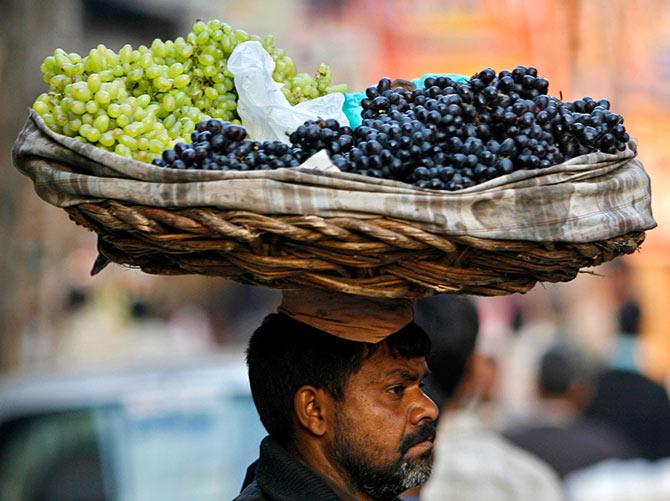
378 258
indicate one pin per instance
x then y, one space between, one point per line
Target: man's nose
425 409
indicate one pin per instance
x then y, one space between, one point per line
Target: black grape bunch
447 135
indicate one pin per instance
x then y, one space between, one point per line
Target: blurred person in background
472 463
557 432
626 399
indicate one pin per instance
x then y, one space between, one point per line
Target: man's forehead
384 364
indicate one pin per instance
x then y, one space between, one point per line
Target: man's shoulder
252 493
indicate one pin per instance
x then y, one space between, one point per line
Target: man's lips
424 438
426 445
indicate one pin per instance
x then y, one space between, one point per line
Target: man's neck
557 411
313 456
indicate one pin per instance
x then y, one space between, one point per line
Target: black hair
285 354
76 299
628 318
452 323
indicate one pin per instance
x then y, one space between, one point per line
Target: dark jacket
638 407
571 446
279 476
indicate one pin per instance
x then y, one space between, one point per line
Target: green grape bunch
140 102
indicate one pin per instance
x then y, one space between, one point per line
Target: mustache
426 432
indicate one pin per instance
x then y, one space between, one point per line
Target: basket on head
316 227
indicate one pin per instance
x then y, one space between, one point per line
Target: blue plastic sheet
352 100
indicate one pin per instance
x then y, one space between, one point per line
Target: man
472 463
628 400
558 433
347 420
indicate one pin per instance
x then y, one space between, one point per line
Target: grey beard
407 476
414 475
389 482
382 482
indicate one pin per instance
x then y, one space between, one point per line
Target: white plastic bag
263 108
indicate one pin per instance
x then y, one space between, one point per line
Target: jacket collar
284 478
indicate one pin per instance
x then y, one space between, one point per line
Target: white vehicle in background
183 433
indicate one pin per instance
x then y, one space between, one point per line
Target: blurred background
111 346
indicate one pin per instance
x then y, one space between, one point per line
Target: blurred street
56 320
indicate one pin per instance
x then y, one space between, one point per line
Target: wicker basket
352 234
375 257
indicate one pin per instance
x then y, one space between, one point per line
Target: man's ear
313 409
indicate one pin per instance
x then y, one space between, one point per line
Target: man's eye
397 390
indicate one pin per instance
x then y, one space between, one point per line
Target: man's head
564 375
356 407
629 318
452 324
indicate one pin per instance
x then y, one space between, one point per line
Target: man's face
383 432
